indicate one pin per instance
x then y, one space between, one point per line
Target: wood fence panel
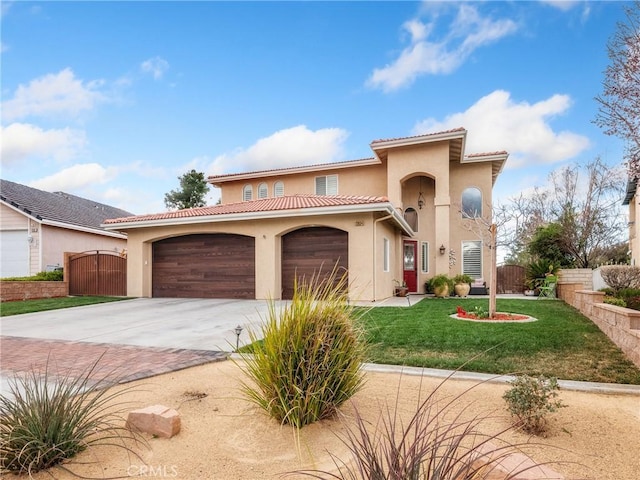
510 279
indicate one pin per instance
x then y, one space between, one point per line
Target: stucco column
268 259
442 222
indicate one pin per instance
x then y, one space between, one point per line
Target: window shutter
278 189
321 185
472 259
247 193
332 184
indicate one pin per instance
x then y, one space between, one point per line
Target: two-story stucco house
394 217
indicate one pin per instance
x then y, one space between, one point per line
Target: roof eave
417 140
80 228
299 212
232 177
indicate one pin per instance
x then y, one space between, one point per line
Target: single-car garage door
14 253
204 266
310 251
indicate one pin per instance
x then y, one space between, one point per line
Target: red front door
410 261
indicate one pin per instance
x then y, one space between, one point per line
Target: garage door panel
310 251
204 266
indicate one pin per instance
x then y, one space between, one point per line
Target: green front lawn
562 343
40 305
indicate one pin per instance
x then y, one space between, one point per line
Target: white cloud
52 95
468 32
564 5
76 177
156 66
496 122
285 148
22 141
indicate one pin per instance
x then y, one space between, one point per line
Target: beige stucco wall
364 180
364 284
56 241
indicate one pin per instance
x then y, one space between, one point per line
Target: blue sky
114 100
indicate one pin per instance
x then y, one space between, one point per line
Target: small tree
193 188
621 276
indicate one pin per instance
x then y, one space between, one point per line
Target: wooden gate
97 273
510 279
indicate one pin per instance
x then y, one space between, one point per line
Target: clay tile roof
453 130
486 154
293 202
57 206
288 169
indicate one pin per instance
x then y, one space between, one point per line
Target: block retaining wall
11 291
621 325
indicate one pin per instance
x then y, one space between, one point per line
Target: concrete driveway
200 324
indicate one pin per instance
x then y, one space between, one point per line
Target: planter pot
462 289
402 291
442 291
529 293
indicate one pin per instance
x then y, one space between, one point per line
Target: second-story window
327 185
263 192
471 202
247 193
278 189
411 217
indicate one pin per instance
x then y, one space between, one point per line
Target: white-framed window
424 259
327 185
278 189
471 202
247 193
263 191
411 217
385 255
472 258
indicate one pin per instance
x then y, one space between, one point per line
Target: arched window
263 191
471 202
278 189
411 217
247 193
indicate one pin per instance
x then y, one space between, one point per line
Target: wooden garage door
204 266
310 251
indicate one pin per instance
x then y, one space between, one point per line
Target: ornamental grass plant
440 441
46 420
308 361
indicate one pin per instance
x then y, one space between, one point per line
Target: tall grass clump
308 361
46 420
440 441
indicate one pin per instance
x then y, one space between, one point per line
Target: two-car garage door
223 265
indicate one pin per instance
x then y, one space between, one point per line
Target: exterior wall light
442 249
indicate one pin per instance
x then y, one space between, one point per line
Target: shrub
54 276
462 278
530 399
47 420
308 362
620 277
536 272
620 302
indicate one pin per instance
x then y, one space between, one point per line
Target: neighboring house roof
288 206
59 209
632 186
